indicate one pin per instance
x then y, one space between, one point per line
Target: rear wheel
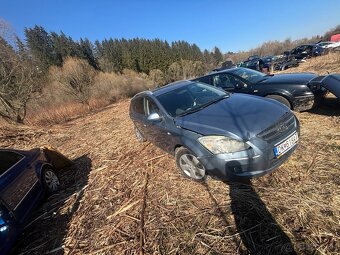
50 180
281 99
189 164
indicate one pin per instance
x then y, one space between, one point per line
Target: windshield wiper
203 106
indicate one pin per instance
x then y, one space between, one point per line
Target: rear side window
8 159
138 105
145 106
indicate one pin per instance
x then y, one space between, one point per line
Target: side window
138 105
205 79
8 159
150 106
223 81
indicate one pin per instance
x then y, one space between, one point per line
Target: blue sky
229 25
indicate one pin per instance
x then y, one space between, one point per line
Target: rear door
157 132
138 115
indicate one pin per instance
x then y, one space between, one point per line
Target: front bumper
254 162
7 239
303 103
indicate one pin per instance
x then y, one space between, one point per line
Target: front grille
277 130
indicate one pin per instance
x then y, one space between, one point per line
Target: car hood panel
240 116
293 78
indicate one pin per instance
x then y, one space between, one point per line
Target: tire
281 99
189 165
139 136
50 180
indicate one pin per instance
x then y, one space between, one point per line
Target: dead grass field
123 197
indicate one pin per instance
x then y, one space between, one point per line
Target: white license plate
286 145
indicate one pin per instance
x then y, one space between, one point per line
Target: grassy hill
123 197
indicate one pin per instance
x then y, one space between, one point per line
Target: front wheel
50 180
281 99
189 164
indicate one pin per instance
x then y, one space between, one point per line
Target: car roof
170 87
224 71
164 89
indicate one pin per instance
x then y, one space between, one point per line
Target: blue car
26 177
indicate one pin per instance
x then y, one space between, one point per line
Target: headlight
3 226
222 144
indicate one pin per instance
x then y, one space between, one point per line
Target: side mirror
154 117
240 85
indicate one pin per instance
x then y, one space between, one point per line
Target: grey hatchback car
213 132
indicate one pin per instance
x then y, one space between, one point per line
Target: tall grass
55 106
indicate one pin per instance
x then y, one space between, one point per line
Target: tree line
115 55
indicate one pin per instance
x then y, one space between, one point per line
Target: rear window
8 159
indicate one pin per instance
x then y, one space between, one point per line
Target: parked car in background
283 62
329 45
298 91
26 177
213 132
225 65
306 51
253 62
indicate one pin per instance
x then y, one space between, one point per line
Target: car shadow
47 230
329 106
259 231
257 228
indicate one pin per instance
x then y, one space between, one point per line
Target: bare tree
77 78
19 77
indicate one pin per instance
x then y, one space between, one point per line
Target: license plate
286 145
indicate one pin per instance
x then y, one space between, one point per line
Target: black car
306 51
284 62
253 62
298 91
26 177
213 132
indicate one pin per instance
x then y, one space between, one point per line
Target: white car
329 45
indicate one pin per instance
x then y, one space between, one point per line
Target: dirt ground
123 197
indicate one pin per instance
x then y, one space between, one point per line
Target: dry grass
329 63
126 198
56 105
123 197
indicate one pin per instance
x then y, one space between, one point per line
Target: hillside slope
123 197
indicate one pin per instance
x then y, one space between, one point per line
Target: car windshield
190 98
248 74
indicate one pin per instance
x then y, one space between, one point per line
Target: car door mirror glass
154 117
240 85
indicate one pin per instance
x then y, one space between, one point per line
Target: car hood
292 78
240 116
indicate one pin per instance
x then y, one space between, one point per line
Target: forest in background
48 77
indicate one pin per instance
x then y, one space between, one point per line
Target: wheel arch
283 94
